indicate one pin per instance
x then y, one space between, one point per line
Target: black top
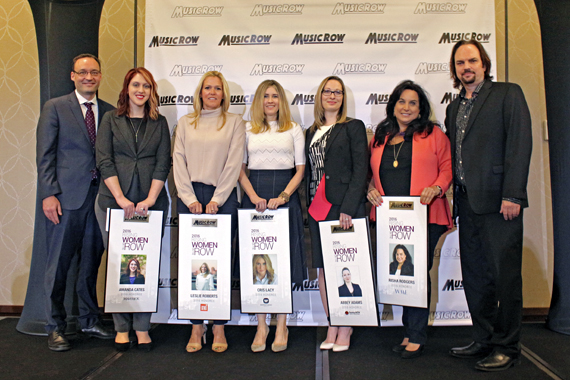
396 180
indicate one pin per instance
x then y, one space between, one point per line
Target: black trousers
415 319
76 234
491 261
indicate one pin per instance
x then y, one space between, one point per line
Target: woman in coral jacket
410 156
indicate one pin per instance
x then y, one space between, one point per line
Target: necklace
396 155
137 131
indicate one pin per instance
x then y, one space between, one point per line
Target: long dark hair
403 248
389 126
485 60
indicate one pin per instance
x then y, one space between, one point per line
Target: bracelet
284 196
440 190
372 189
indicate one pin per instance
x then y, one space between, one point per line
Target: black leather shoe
146 347
412 354
122 347
398 348
58 342
497 362
474 350
99 331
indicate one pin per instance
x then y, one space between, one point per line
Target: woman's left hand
275 202
345 221
212 208
143 206
428 194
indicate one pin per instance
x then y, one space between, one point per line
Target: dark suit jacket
407 268
117 154
64 155
344 292
346 165
497 146
125 279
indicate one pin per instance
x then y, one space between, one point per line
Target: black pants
204 194
415 319
491 261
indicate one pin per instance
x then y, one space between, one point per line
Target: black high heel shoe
122 347
146 347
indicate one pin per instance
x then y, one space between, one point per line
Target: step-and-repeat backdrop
371 46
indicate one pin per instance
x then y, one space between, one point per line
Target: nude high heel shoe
195 347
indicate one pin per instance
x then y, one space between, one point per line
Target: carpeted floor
370 357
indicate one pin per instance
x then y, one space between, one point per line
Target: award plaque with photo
265 269
133 262
349 274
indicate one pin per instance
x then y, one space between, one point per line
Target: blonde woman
336 150
204 279
263 272
207 156
275 157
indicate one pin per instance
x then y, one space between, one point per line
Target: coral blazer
431 166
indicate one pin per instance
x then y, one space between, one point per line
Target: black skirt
269 184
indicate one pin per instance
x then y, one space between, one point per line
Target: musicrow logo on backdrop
173 100
241 100
452 285
375 98
280 9
277 69
392 38
439 8
432 68
447 252
451 38
359 68
206 11
253 39
322 38
302 99
193 70
448 97
174 41
351 8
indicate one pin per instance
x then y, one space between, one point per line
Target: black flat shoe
497 362
473 350
146 347
412 354
122 347
398 348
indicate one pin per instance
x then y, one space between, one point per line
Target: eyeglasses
83 73
336 93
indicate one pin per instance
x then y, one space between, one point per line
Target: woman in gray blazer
133 156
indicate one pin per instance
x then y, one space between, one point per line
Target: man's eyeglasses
83 73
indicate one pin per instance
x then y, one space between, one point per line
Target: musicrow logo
181 11
262 218
240 100
448 97
278 69
432 68
439 8
452 285
451 38
204 222
392 38
344 8
172 100
450 314
301 99
174 41
377 99
322 38
359 68
281 9
253 39
447 252
191 70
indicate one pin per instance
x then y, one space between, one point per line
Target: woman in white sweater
207 156
275 156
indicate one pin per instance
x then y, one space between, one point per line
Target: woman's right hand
195 208
374 197
127 206
260 203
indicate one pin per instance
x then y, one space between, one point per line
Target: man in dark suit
67 184
491 141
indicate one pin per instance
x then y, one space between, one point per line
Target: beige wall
19 111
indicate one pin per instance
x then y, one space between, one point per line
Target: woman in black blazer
133 156
132 273
336 150
401 261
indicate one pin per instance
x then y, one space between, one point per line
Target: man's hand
52 208
510 210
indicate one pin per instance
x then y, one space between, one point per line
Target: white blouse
272 150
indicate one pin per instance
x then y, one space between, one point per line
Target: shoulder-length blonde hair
319 111
151 105
259 123
198 99
206 272
269 267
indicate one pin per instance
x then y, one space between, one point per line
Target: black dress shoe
497 362
474 350
412 354
58 342
146 347
398 348
122 347
99 331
